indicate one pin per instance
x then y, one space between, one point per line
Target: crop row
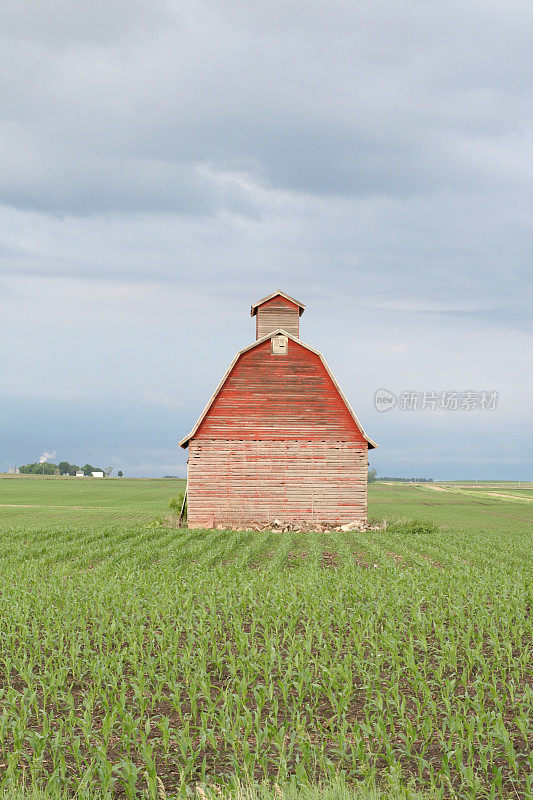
131 658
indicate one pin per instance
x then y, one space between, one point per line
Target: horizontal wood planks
277 313
278 442
279 397
238 482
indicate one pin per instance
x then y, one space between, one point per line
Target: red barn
278 438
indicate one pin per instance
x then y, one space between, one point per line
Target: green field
140 660
492 508
64 501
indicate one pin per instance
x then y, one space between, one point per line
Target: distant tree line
373 476
63 468
407 480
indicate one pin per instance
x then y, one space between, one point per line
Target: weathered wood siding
277 442
238 482
281 397
277 313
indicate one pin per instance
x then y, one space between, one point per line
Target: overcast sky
165 164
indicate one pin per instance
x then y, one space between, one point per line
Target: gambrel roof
185 441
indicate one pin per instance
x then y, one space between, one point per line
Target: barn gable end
278 439
294 396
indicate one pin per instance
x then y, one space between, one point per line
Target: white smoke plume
45 456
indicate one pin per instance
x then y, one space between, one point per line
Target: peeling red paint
278 441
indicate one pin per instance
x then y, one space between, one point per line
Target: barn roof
301 307
185 441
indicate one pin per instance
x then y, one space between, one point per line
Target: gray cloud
366 101
62 24
163 164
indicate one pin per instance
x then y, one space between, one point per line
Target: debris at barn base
277 526
353 526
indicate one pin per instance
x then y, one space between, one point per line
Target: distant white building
80 473
14 471
97 474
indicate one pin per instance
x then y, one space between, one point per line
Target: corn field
150 661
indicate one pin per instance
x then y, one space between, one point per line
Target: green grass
463 509
337 789
135 657
69 501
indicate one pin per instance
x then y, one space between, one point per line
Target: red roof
335 387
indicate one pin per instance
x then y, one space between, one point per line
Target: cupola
277 310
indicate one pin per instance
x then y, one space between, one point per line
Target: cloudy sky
165 164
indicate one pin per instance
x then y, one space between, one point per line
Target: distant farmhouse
278 440
44 467
95 474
